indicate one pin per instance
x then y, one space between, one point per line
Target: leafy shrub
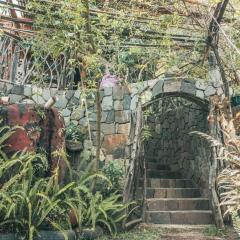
114 172
74 133
30 202
106 212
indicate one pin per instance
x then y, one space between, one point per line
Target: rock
118 105
94 137
38 99
134 102
118 93
67 120
74 122
157 88
46 94
123 128
93 117
9 87
108 129
17 89
101 94
3 88
27 101
93 126
77 114
210 91
104 116
13 98
126 102
172 86
200 94
91 103
74 101
83 122
61 102
53 92
217 84
188 87
69 94
200 85
87 144
112 142
27 91
110 117
122 116
108 91
107 103
66 112
219 91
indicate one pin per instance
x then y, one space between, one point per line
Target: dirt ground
175 232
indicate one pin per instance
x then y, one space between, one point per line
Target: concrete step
179 217
172 193
165 174
188 236
168 183
157 166
174 204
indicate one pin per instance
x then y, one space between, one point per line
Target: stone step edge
178 199
187 188
177 226
169 179
180 211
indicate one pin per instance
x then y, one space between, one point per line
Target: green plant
228 179
106 212
114 172
212 231
30 202
74 133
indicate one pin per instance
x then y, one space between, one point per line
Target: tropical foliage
31 201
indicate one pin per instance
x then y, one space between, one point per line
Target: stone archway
193 90
178 163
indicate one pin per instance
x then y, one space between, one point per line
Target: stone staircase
172 199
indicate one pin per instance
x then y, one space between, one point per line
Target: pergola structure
17 24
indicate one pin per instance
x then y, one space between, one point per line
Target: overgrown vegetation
31 202
74 133
212 231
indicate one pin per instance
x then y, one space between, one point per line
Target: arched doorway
177 163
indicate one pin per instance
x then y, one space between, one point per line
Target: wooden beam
26 21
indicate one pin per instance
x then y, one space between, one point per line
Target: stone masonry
118 105
170 142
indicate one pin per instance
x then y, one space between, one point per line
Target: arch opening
169 120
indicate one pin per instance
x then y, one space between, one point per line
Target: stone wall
118 105
171 121
200 164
